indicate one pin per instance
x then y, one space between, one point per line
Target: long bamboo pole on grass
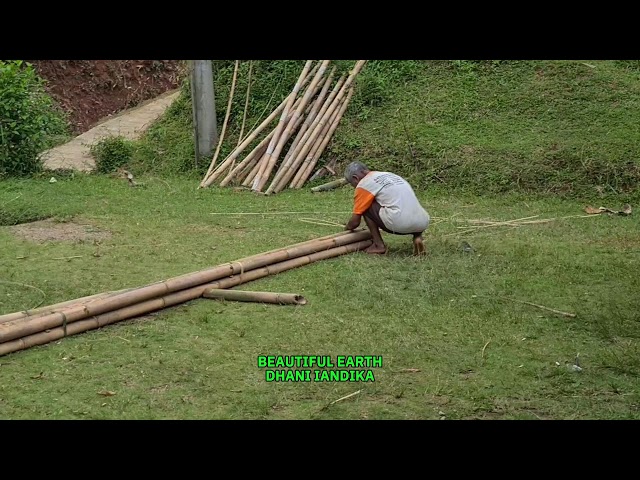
301 148
317 105
226 119
251 137
286 134
19 328
280 128
42 337
317 153
54 307
255 297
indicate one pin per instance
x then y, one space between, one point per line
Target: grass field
452 346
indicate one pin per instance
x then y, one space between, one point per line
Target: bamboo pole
280 128
286 134
42 337
330 186
16 329
246 105
226 120
317 105
257 297
315 155
52 308
301 149
252 174
251 137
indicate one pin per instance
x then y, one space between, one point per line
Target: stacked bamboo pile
308 117
21 330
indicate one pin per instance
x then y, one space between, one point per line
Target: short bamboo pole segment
286 134
315 155
317 105
16 329
252 174
302 148
226 119
42 337
330 186
251 137
280 128
255 297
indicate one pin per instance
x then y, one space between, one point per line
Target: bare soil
91 90
52 231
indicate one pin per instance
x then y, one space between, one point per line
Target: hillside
90 90
562 127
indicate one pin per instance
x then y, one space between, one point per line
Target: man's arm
354 222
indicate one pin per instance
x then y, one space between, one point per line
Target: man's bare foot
377 249
418 246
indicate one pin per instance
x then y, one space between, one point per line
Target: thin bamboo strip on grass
280 128
300 150
255 297
286 134
13 330
251 137
135 310
316 154
317 105
226 120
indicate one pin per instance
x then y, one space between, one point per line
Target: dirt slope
90 90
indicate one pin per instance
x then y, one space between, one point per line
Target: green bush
29 119
112 153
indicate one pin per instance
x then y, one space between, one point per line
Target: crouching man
387 202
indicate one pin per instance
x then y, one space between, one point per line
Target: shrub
29 119
112 153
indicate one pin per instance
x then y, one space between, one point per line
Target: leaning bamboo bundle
43 336
258 297
229 163
253 159
318 103
289 169
253 135
317 151
19 328
271 150
286 134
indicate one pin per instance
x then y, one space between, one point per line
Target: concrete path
130 124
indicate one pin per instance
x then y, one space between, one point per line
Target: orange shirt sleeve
363 200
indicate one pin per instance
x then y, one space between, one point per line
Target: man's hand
354 222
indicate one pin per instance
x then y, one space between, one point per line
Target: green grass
199 360
564 127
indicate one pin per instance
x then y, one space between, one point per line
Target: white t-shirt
400 209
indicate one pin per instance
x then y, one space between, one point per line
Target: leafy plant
112 153
29 119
